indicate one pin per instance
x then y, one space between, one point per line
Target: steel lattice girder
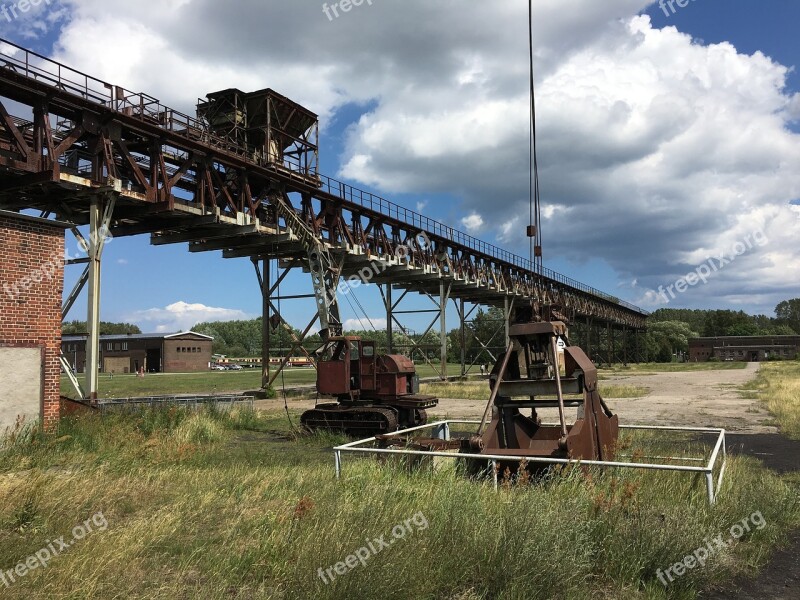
167 170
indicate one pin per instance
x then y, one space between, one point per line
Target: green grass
778 386
220 506
647 368
479 390
211 382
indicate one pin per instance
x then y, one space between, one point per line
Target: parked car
235 367
217 368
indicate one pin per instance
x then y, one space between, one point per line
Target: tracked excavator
372 393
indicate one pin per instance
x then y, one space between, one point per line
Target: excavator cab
374 393
337 368
346 367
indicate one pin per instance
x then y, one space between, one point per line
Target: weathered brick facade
32 282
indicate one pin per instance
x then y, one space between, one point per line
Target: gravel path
698 398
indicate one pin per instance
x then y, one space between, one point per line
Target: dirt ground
699 398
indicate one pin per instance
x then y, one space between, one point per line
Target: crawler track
355 421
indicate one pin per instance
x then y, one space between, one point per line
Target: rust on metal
529 378
375 393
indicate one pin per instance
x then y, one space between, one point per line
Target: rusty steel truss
75 146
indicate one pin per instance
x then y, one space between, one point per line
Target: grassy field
219 506
778 386
646 368
211 382
478 390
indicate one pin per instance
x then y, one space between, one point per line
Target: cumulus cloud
364 324
182 316
655 149
472 222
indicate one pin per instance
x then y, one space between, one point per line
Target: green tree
788 313
696 319
666 338
242 339
728 322
487 329
106 328
781 330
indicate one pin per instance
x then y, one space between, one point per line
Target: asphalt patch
780 579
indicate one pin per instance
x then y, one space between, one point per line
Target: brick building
744 348
187 352
32 281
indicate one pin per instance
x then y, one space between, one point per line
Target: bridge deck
73 136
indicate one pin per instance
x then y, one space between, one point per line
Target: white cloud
507 230
182 316
364 324
32 23
653 146
472 222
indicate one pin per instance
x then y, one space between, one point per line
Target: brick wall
32 282
187 355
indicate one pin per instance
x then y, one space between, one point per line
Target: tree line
669 331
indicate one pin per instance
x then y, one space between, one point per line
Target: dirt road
698 398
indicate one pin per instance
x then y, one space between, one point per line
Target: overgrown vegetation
213 505
778 386
479 390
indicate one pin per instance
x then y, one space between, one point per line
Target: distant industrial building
187 352
744 348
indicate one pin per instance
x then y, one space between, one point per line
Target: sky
668 135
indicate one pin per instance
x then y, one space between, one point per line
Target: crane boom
324 271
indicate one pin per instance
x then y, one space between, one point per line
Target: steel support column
93 303
444 299
265 324
462 320
98 230
625 346
387 300
589 337
508 305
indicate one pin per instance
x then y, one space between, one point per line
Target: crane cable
534 200
363 311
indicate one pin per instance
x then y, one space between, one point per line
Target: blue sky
426 106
